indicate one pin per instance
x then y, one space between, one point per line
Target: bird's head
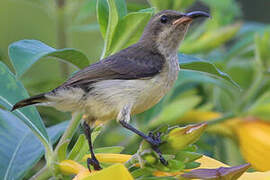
167 29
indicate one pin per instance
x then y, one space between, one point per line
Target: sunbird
126 83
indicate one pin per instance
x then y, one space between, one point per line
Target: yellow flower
253 135
119 171
254 142
226 128
110 158
116 171
70 167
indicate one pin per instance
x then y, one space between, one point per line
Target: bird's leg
153 139
93 160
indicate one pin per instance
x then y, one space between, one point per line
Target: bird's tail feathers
29 101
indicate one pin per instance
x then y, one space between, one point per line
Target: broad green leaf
175 110
245 40
191 76
80 143
262 48
210 40
218 9
241 70
197 64
130 30
103 16
187 156
145 171
81 146
12 91
261 107
113 149
117 10
20 148
25 53
62 151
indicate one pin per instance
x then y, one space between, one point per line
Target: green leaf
21 149
175 110
117 10
62 151
142 172
197 64
187 156
103 16
262 48
114 149
130 30
192 165
25 53
175 165
209 40
261 107
76 148
191 76
81 146
12 92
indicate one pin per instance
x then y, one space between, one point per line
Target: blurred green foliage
229 52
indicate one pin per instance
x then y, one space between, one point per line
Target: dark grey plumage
134 62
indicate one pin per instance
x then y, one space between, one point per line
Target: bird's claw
155 141
93 162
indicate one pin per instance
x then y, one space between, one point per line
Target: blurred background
234 54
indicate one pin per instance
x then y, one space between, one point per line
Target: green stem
43 174
74 123
251 92
221 119
51 157
62 33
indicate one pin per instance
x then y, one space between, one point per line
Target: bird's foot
155 141
93 162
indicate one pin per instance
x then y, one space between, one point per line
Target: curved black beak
197 14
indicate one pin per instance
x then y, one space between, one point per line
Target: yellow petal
161 173
110 158
83 174
70 167
255 176
207 162
254 143
226 128
117 171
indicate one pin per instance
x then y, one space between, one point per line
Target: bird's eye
164 19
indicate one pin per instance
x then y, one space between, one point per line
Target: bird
126 83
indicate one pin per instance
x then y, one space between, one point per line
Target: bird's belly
108 97
155 89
